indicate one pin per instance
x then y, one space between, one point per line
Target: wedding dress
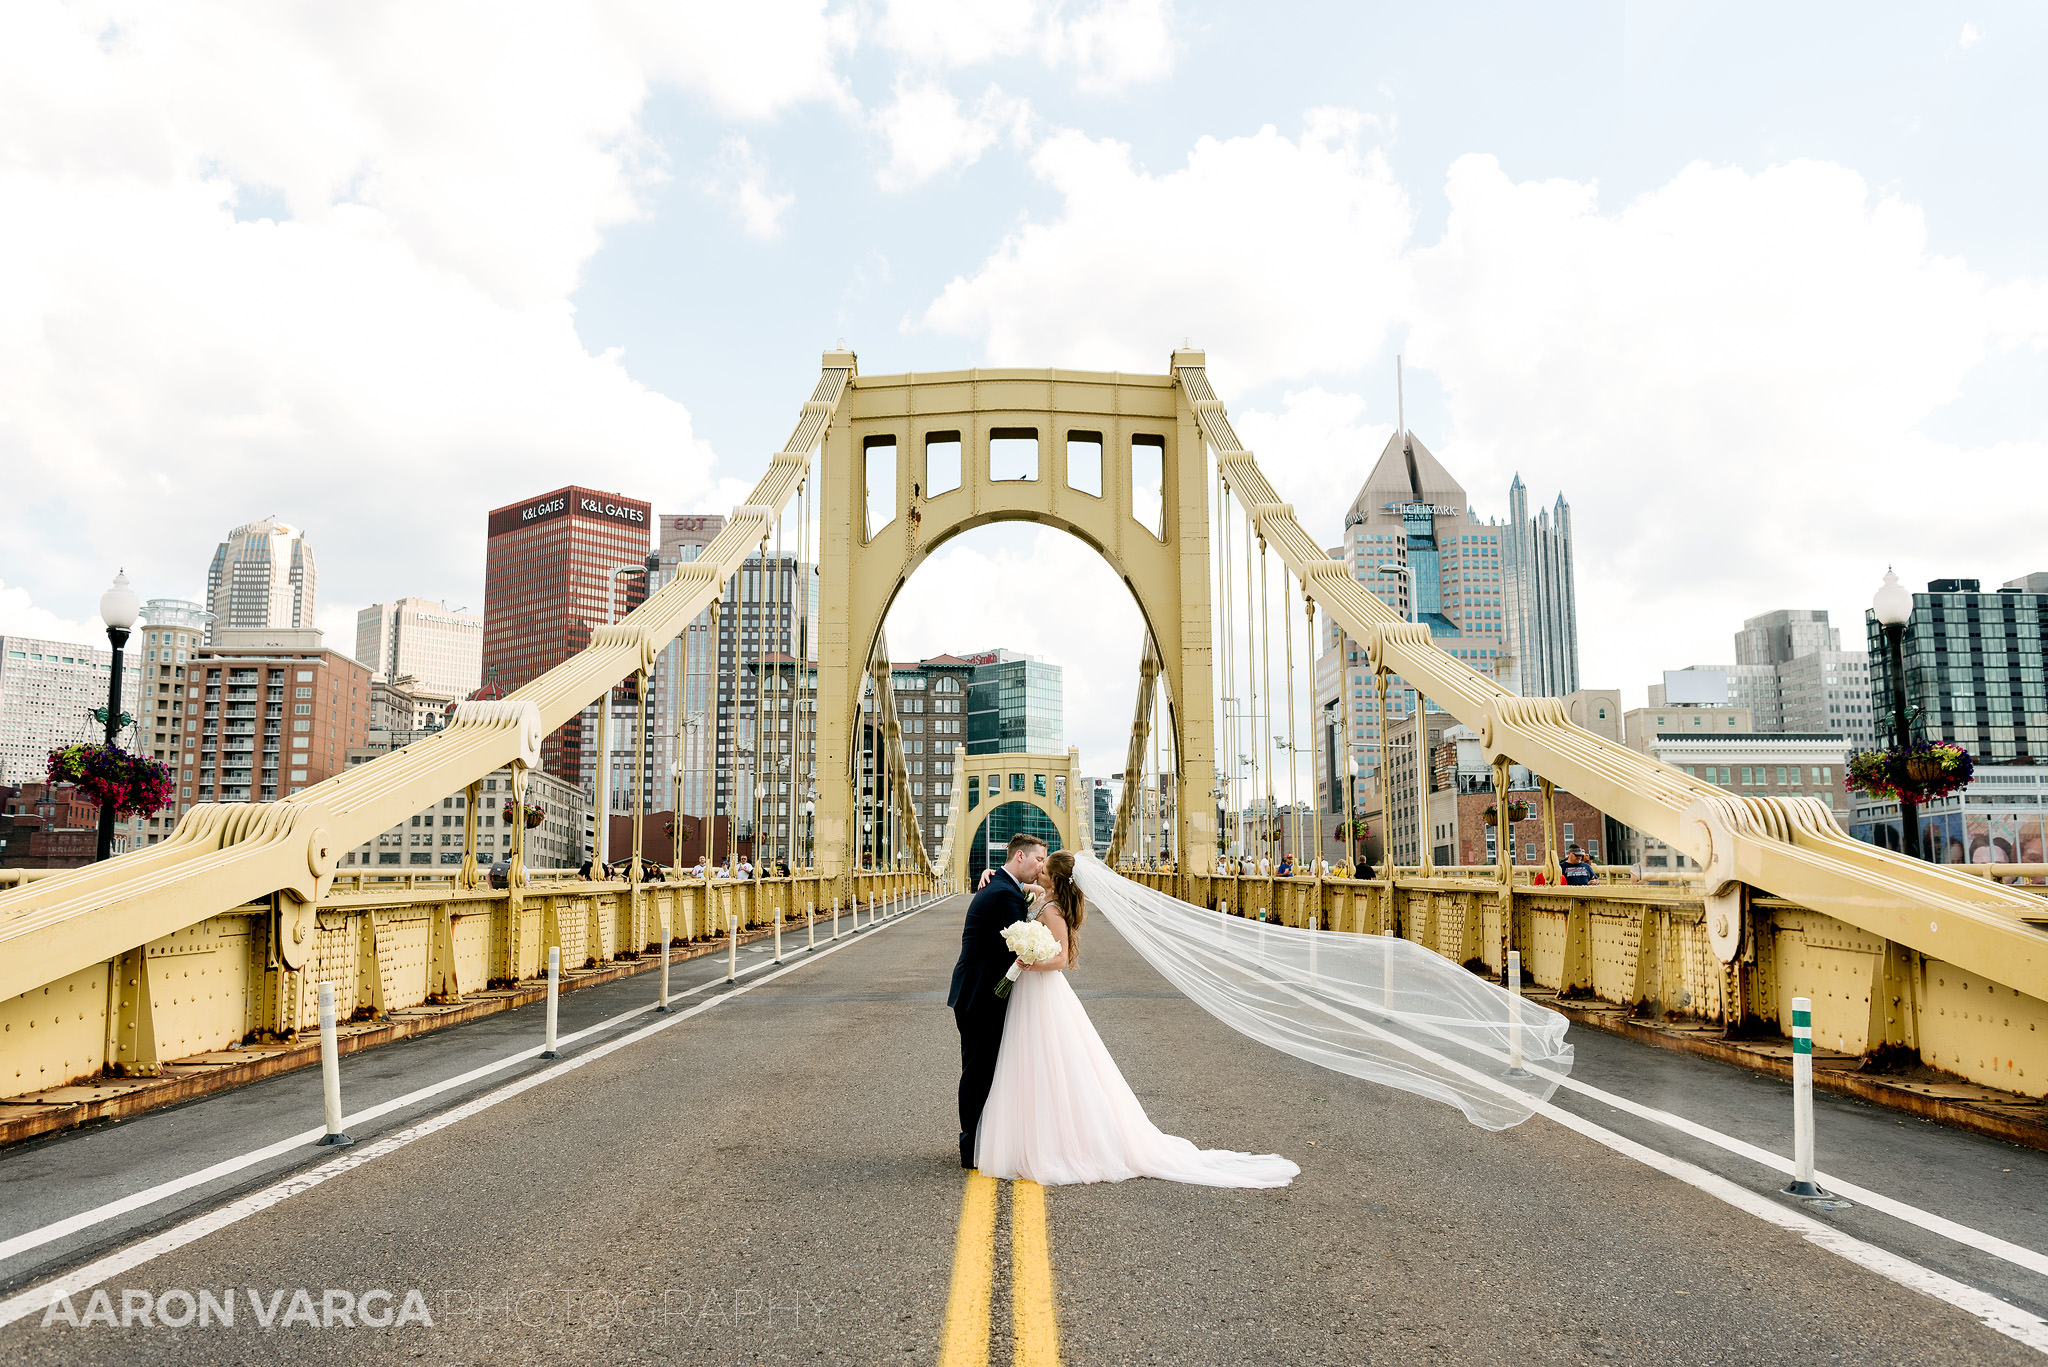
1060 1112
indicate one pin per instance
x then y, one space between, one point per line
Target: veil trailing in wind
1374 1006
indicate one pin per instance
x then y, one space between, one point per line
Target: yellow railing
385 946
1646 949
225 855
1790 847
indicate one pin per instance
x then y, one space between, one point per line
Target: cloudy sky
1762 290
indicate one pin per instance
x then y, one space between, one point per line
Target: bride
1059 1112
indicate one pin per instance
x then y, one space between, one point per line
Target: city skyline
1827 292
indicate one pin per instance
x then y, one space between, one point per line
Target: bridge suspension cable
223 855
1791 847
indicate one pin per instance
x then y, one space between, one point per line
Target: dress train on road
1061 1113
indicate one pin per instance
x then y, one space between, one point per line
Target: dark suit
977 1010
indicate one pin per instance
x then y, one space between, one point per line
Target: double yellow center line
1035 1331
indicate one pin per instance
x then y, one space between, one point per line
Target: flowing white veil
1376 1007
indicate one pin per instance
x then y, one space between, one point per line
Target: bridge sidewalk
1926 1092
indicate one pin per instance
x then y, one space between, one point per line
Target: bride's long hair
1067 899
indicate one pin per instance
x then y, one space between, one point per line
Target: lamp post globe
119 609
1892 606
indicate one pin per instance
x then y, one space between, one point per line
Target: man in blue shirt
1578 870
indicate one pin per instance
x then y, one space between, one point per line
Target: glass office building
1013 707
1974 666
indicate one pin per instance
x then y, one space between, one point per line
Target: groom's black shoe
966 1152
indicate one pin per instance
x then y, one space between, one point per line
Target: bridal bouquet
1032 943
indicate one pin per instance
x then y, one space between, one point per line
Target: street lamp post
760 792
119 608
1892 605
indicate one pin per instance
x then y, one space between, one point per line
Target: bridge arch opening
1058 602
990 830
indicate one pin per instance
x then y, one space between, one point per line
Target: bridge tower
912 461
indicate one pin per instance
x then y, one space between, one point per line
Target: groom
984 959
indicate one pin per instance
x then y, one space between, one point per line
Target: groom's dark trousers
977 1010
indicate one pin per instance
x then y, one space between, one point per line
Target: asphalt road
774 1180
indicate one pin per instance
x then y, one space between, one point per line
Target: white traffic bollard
661 1001
1802 1100
835 918
732 946
810 926
554 999
1515 1068
778 935
330 1070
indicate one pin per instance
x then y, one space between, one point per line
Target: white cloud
739 181
387 348
19 616
1075 613
1119 43
1310 450
1113 44
750 61
1287 253
1970 37
929 133
1729 378
1735 379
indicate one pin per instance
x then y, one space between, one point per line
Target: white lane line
2015 1323
86 1219
92 1274
2017 1254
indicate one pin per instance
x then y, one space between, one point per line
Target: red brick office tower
547 565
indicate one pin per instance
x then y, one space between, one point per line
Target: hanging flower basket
1920 772
1357 830
681 831
1518 810
135 785
535 813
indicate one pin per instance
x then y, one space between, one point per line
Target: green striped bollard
1802 1100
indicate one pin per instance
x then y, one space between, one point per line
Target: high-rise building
1974 667
1013 704
1791 674
1498 595
434 836
931 707
261 576
268 714
1540 597
548 586
1101 809
48 690
687 681
159 653
439 646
